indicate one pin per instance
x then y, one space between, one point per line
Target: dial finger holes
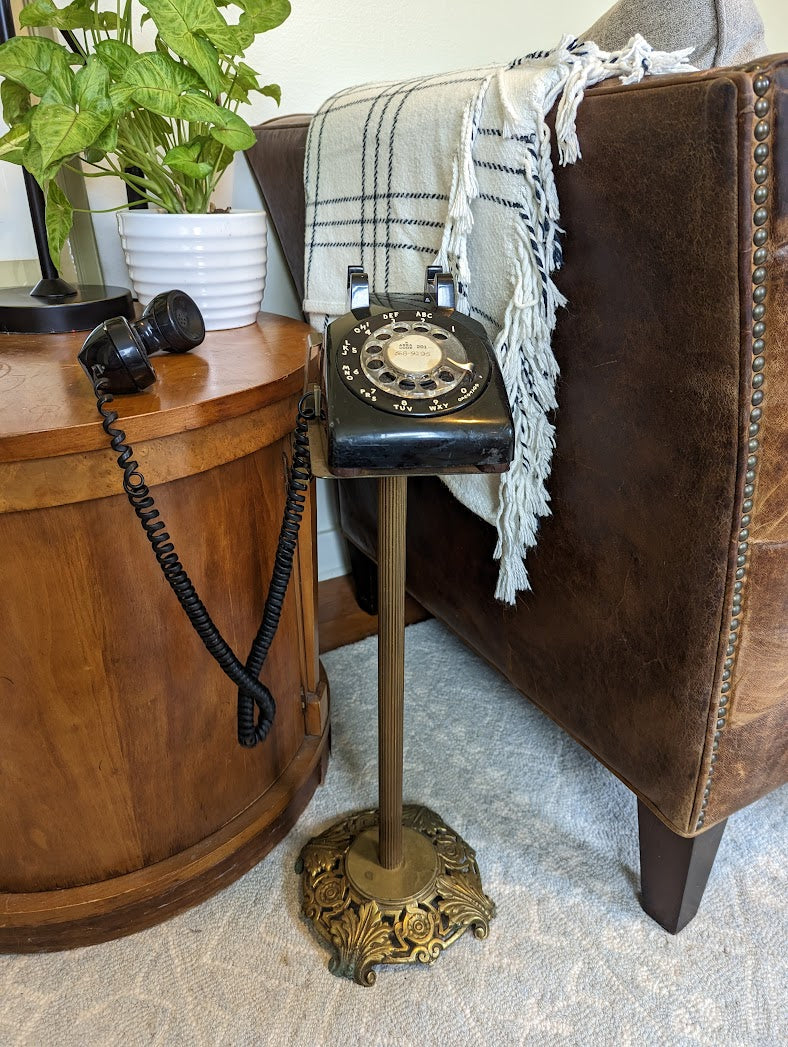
414 358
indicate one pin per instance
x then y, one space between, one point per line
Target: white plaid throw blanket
455 169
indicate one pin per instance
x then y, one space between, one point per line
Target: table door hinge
315 706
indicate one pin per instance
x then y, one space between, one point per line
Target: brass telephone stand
394 885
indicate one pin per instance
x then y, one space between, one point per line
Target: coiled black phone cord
252 691
249 732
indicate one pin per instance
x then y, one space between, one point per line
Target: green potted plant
161 117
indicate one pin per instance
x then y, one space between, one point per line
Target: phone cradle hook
357 289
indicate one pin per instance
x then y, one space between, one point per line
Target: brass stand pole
396 884
392 511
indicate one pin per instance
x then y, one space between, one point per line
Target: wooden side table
124 796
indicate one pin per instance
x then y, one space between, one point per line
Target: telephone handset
412 386
117 351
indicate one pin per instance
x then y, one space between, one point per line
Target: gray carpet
571 958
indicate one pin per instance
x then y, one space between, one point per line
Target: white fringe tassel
523 345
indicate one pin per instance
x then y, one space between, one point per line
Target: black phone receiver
116 352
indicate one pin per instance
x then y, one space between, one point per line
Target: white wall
314 54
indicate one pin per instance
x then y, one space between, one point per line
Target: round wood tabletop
47 406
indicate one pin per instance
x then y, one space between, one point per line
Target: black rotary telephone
410 386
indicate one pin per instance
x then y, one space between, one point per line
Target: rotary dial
413 363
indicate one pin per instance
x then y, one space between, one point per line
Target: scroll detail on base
372 926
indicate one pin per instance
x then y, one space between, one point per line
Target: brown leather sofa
656 632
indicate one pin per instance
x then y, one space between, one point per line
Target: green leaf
91 88
12 144
16 101
155 74
171 89
122 98
194 29
211 152
243 79
233 131
33 162
59 215
62 131
40 65
107 142
239 92
210 59
245 75
259 16
116 56
272 91
77 15
185 158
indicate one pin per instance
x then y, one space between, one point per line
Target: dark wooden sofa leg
673 870
365 579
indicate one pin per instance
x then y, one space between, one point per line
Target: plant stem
137 147
100 210
213 179
128 28
140 184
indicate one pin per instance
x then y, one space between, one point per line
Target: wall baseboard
341 620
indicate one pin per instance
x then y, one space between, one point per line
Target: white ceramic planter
218 259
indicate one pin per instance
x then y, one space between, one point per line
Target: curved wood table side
124 795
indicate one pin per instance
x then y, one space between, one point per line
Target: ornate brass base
372 915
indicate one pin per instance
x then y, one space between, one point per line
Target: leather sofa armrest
277 162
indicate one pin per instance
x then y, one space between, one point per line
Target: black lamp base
22 313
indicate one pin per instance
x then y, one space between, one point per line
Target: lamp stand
53 305
394 885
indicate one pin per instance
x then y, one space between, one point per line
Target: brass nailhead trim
761 172
761 85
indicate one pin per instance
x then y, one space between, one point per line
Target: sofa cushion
723 32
